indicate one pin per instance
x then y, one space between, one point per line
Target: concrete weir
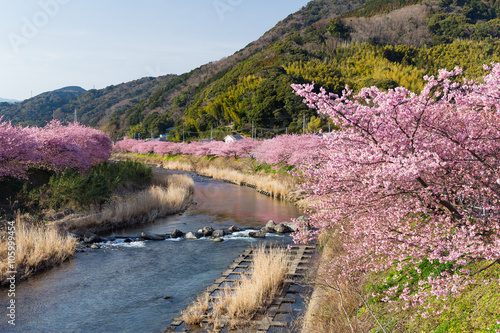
280 314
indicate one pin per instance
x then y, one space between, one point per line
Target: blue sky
49 44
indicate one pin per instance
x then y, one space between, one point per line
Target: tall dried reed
37 248
143 207
252 293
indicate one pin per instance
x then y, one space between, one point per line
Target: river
142 286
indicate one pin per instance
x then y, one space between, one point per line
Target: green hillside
333 43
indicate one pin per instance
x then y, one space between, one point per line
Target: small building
233 138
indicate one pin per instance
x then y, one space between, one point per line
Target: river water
142 286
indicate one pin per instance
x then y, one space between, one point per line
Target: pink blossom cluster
53 147
242 148
410 177
291 149
288 149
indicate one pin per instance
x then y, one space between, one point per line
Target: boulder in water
151 237
192 235
218 233
176 233
270 224
234 228
282 229
268 230
257 234
90 238
207 231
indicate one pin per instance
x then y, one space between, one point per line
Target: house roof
236 137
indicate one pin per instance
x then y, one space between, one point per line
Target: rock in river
257 234
177 233
90 238
193 235
268 230
270 224
234 228
151 237
282 229
218 233
207 231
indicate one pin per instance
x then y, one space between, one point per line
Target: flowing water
142 286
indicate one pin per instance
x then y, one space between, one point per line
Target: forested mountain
331 42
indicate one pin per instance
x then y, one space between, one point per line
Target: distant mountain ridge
74 89
5 100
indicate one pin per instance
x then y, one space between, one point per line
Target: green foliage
315 124
280 168
339 29
401 54
153 125
410 277
71 189
464 19
474 310
449 26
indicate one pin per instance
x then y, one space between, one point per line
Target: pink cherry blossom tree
410 178
16 151
53 147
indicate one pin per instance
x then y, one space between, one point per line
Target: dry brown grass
334 306
196 312
143 207
37 248
267 274
253 292
278 186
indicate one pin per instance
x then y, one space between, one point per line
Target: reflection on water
221 205
142 286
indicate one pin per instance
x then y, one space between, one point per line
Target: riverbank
106 284
38 246
27 249
276 182
168 195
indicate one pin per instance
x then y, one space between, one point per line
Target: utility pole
287 131
183 133
151 134
252 129
75 117
329 129
212 132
